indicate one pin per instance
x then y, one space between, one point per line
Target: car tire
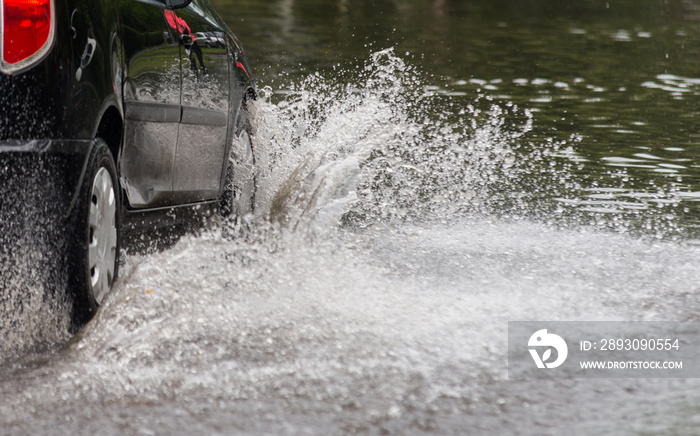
94 255
238 198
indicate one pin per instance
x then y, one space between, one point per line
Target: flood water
427 171
614 83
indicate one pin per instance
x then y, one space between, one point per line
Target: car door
201 149
152 82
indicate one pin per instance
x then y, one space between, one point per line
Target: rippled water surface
427 171
616 81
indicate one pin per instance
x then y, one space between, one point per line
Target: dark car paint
84 88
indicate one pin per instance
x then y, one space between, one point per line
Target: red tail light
27 32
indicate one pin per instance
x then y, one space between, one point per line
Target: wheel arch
251 93
111 130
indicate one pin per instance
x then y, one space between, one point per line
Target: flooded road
357 308
403 218
400 329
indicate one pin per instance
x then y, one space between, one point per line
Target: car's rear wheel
238 198
95 252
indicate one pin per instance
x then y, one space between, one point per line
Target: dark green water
616 83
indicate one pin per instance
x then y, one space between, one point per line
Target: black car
112 111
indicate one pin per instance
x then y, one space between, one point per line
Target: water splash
385 148
34 308
379 323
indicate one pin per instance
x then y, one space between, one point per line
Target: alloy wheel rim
102 246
